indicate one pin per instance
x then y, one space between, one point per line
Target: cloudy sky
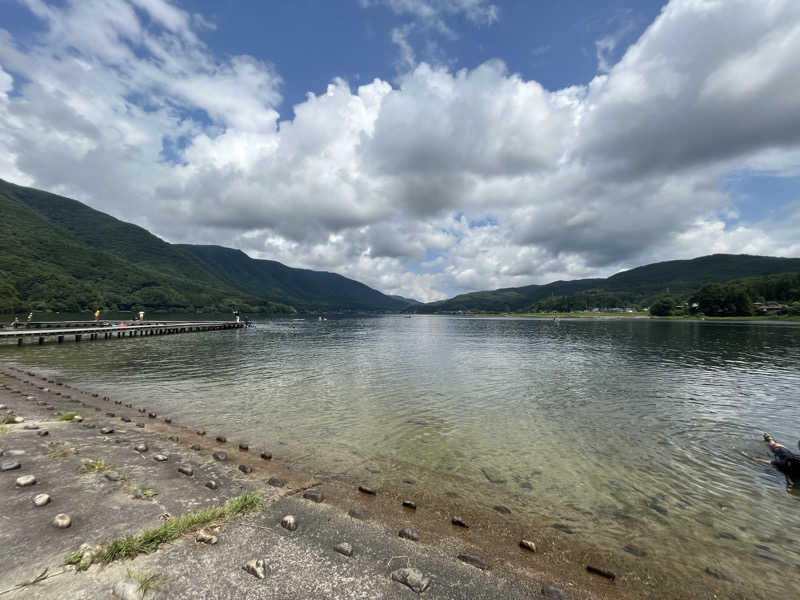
424 147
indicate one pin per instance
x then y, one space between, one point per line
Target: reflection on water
627 430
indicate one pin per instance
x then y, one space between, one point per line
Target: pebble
357 513
159 457
212 485
409 534
19 420
77 418
41 499
167 420
140 425
504 510
413 578
201 432
245 468
62 521
244 446
410 504
716 574
222 439
275 482
9 465
125 419
635 551
344 548
26 480
316 495
601 572
140 447
110 414
186 470
107 430
527 545
220 456
152 415
476 560
126 590
563 528
31 427
195 447
266 455
367 490
257 568
459 522
205 538
174 438
113 476
289 522
42 432
3 407
553 592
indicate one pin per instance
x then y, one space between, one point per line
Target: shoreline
561 559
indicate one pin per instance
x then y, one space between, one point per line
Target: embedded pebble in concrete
289 522
266 455
409 534
220 456
212 485
140 447
205 538
62 521
357 513
159 457
476 560
527 545
26 480
344 548
413 578
106 430
257 568
113 476
275 482
41 499
315 495
410 504
367 490
245 468
9 465
459 522
186 470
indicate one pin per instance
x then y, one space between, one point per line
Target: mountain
640 285
59 254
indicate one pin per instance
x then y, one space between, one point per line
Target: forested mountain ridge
57 254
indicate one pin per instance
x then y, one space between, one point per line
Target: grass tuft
67 416
93 465
8 419
146 581
151 539
73 558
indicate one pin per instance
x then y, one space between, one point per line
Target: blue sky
424 147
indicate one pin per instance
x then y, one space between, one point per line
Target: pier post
19 341
41 340
60 339
77 337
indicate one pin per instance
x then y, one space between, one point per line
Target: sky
424 147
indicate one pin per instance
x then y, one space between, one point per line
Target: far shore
637 315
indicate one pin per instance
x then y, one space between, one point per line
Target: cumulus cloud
438 183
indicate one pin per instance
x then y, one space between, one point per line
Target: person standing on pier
30 317
236 314
97 315
141 315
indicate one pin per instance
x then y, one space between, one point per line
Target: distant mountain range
57 254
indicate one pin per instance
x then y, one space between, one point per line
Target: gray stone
630 549
563 528
410 504
195 447
77 418
31 427
289 522
222 439
476 560
152 415
62 521
364 489
126 590
357 513
42 433
186 470
212 485
140 425
125 419
503 510
266 455
275 482
220 456
413 578
140 447
9 465
528 545
257 568
26 480
459 522
344 548
113 476
245 468
492 476
106 430
244 446
19 420
409 533
159 457
41 499
315 495
205 538
553 592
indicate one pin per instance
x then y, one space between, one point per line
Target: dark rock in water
459 522
724 535
195 447
553 592
113 476
212 485
174 438
140 425
152 415
367 490
409 534
502 509
125 419
316 495
220 456
9 465
476 560
222 439
289 522
410 504
451 494
106 430
492 476
275 482
526 485
601 572
43 432
266 455
201 432
716 574
356 513
110 414
763 548
245 468
140 447
167 420
344 548
244 446
413 578
657 507
409 481
159 457
635 551
562 527
186 470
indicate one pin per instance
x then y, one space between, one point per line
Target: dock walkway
38 332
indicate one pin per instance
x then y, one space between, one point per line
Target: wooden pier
38 332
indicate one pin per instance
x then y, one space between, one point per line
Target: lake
629 431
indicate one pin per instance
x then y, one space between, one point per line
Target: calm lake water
629 431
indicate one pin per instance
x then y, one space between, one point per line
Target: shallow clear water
627 430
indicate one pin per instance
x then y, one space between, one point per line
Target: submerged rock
159 457
289 522
413 578
635 551
409 533
563 528
186 470
492 476
504 510
367 490
41 499
553 592
476 560
62 521
275 482
315 495
245 468
356 513
26 480
220 456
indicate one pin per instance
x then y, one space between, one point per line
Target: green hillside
679 278
302 288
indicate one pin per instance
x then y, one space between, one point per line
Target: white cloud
443 183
